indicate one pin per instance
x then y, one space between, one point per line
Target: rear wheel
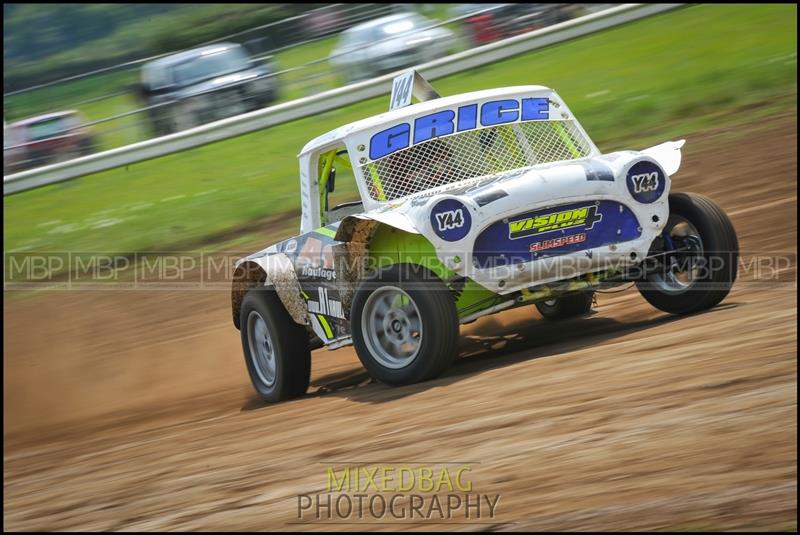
567 306
698 254
276 349
405 325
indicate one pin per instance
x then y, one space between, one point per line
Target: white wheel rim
392 327
261 349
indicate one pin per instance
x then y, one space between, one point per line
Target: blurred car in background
388 44
204 84
498 21
45 139
13 152
481 27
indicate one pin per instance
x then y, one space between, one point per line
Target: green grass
642 83
66 95
309 80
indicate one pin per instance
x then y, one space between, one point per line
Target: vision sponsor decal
646 182
584 216
450 219
554 231
557 242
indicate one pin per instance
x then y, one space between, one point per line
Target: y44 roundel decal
451 220
646 182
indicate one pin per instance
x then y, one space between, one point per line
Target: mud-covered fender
359 227
355 232
274 270
668 155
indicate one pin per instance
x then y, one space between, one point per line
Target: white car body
603 208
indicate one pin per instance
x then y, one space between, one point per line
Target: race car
467 205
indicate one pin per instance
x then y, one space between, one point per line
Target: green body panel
326 231
391 246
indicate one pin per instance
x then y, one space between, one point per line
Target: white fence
326 101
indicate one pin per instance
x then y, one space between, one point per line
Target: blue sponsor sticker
646 182
451 220
554 231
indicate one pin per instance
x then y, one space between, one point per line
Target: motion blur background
130 407
96 65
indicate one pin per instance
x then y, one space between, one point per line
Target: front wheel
697 257
276 349
404 325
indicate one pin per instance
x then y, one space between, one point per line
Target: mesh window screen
472 154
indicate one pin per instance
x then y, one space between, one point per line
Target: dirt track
132 410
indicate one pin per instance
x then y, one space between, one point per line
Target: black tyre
160 122
701 274
86 147
266 99
566 306
404 325
275 347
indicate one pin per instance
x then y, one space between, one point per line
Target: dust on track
133 410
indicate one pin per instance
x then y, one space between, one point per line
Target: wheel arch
389 240
274 270
383 243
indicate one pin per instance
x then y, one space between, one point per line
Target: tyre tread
719 235
290 341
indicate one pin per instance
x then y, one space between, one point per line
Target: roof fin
407 84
